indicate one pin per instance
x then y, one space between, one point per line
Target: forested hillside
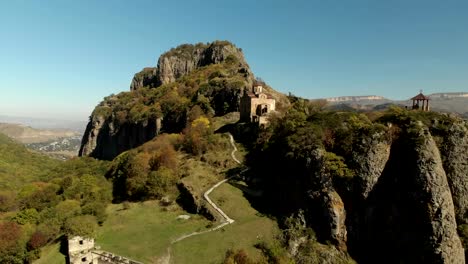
42 199
18 165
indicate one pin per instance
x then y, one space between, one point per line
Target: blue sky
58 59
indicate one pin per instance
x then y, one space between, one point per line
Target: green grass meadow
248 229
145 231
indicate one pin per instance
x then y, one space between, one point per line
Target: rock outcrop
434 196
370 159
409 211
331 217
456 166
147 77
400 204
194 203
186 58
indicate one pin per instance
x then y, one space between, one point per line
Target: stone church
255 105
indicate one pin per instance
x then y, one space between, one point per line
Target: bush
26 216
160 182
237 257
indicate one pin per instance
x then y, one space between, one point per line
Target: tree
97 209
195 140
37 240
26 216
67 209
83 225
45 196
12 249
160 182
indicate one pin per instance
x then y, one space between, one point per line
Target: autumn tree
12 249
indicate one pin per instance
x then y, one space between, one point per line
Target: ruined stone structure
83 251
80 250
255 105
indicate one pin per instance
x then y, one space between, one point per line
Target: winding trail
226 219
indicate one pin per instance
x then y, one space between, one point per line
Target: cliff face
410 210
402 204
104 139
147 77
456 166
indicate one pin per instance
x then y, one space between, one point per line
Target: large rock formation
127 120
186 58
408 216
400 205
434 197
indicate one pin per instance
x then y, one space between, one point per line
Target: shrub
26 216
160 182
237 257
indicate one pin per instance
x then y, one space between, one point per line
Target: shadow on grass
63 247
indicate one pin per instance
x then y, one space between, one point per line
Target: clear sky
60 58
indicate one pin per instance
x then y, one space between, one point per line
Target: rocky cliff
145 78
410 209
184 59
455 159
392 193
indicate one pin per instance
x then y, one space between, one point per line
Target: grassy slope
51 255
248 229
18 165
144 231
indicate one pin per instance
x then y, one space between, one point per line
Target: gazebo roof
420 96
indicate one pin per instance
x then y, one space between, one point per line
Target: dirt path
166 259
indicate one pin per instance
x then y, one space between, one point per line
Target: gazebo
421 102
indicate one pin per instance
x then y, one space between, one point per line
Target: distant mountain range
456 102
26 134
58 143
45 123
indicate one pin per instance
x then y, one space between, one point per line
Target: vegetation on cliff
321 161
212 88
